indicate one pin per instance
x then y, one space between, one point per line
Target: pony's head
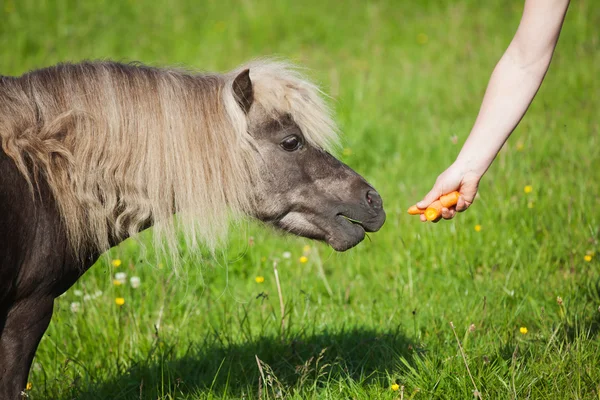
302 188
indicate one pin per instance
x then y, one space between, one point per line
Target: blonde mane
122 146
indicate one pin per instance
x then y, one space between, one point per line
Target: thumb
432 196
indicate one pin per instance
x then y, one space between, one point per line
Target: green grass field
406 79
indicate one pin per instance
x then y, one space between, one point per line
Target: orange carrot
450 199
414 210
435 209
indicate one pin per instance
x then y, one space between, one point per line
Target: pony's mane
122 146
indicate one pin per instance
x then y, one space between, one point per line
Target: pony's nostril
373 199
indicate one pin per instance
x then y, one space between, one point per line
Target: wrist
472 165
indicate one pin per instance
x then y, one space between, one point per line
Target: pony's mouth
351 231
348 233
340 231
371 224
351 220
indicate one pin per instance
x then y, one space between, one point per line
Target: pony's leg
22 326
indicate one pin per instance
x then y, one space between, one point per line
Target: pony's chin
347 235
340 232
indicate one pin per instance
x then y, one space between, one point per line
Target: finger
423 218
448 213
452 213
461 205
432 196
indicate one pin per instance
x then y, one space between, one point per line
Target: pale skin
511 89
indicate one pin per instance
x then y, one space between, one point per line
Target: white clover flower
135 282
121 277
87 297
75 307
286 254
78 293
97 293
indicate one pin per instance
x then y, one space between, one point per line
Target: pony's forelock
281 88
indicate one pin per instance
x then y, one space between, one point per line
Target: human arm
511 89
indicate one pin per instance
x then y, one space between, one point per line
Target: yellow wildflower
528 189
523 330
116 282
9 7
422 38
220 26
29 386
478 228
119 301
306 249
303 259
587 257
395 387
259 279
116 263
520 146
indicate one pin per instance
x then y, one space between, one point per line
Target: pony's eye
291 143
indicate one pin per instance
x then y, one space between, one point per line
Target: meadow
515 280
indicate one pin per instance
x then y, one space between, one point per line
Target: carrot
450 199
414 210
435 209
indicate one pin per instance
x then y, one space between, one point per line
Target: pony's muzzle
373 217
374 200
365 215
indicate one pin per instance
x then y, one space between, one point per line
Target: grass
407 79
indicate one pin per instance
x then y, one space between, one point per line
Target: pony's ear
242 90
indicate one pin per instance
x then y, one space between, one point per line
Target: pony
94 152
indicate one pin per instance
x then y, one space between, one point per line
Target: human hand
456 177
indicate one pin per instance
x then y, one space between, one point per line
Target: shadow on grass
212 367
